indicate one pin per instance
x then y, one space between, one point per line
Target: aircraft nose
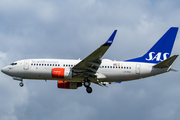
4 70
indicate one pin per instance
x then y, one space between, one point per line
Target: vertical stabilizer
161 50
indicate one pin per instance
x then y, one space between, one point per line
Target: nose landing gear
21 84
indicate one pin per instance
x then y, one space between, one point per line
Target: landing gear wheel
87 83
89 90
21 84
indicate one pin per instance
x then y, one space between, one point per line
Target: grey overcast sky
72 29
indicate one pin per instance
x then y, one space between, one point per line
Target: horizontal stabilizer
166 63
173 70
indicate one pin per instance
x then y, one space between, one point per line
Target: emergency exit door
26 64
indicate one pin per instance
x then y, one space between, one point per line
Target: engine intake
62 73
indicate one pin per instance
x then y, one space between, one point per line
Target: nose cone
4 70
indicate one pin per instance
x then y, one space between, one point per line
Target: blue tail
161 50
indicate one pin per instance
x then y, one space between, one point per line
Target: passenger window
102 66
110 66
50 64
124 67
58 64
42 64
55 64
105 66
121 67
39 64
113 67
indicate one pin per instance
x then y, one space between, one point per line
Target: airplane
72 74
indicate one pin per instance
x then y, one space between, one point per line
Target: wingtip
110 40
174 28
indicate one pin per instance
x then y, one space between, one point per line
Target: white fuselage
72 74
109 71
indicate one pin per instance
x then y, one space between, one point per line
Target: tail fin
161 50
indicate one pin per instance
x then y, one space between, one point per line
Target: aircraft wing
91 63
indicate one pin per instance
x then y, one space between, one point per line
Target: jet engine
68 85
62 73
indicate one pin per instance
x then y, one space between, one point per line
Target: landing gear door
138 68
26 64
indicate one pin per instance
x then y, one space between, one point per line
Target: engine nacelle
68 85
61 73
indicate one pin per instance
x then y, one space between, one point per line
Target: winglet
110 40
94 58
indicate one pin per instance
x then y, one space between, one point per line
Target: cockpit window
13 64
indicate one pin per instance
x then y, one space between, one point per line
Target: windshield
13 64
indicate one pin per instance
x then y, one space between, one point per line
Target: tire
87 83
21 84
89 90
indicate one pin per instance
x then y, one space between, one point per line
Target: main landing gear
89 89
87 85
